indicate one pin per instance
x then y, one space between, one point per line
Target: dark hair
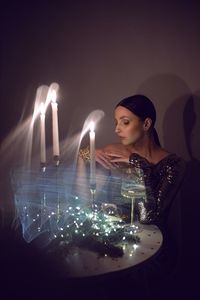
142 107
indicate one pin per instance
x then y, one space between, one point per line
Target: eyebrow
123 117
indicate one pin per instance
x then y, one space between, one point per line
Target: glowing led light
135 246
90 216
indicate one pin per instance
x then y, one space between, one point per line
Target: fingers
119 160
113 154
104 159
105 163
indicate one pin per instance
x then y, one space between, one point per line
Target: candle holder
92 195
43 166
56 159
43 194
58 210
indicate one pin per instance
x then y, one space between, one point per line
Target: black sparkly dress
163 183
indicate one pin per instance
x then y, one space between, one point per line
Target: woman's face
129 127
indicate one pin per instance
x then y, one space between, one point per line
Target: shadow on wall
181 127
169 93
190 190
179 115
181 132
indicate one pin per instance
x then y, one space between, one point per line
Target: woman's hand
103 159
119 156
112 155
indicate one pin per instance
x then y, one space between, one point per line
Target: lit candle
54 105
42 135
92 158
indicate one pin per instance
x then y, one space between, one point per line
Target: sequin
162 181
85 154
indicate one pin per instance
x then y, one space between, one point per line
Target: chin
125 142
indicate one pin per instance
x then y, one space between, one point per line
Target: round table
85 263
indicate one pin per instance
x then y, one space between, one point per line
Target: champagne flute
132 187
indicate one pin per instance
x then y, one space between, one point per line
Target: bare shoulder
113 147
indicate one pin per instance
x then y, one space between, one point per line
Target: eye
126 121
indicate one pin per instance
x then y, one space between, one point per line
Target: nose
117 129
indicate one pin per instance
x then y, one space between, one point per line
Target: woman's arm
102 155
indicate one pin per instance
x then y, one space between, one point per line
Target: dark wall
99 52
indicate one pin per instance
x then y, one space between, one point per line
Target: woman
163 171
140 147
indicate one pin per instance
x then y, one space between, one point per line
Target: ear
147 124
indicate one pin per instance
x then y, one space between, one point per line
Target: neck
145 148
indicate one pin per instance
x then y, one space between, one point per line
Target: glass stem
132 210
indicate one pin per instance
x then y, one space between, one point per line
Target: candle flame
53 96
91 126
42 108
52 93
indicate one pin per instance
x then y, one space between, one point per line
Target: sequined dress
162 181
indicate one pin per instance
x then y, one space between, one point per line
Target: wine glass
132 187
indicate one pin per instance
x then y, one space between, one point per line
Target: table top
84 263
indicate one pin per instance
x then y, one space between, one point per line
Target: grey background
100 52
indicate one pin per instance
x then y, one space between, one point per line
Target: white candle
92 157
54 105
42 135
